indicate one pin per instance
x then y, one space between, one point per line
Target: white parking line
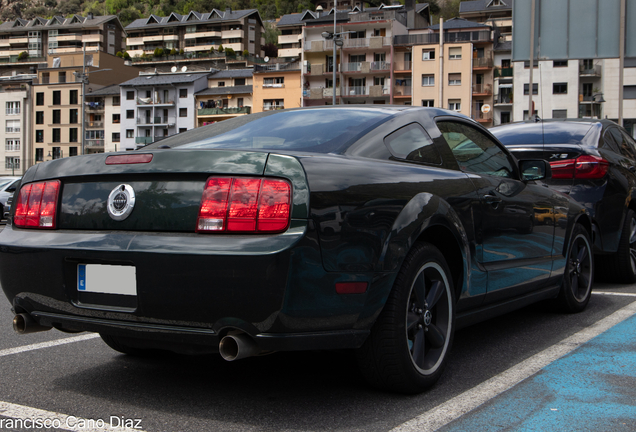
23 417
453 409
17 350
614 294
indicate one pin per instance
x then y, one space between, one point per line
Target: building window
221 84
57 116
455 53
13 126
526 64
428 103
39 136
273 104
559 63
39 155
454 105
116 101
12 145
428 54
274 82
57 135
72 151
61 77
72 116
130 114
57 152
130 95
115 136
562 113
183 93
12 163
13 108
39 98
72 97
57 97
116 118
560 88
130 133
239 102
428 80
455 79
72 135
182 129
39 117
535 88
183 112
239 81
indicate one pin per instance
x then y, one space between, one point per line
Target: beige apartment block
229 95
57 104
277 86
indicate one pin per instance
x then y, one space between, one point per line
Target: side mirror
535 170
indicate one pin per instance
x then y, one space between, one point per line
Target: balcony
204 34
150 101
482 63
159 120
223 111
144 140
93 38
289 52
504 72
154 38
416 39
482 89
95 124
93 143
320 93
379 15
503 99
403 66
237 47
69 37
273 107
231 34
480 116
595 71
286 39
134 41
94 106
356 91
402 91
380 66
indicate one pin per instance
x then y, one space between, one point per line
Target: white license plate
107 279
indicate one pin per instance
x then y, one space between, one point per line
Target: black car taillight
37 205
244 204
583 167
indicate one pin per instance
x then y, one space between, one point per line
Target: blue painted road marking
591 389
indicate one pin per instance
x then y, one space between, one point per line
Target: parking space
320 390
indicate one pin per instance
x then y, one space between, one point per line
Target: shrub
23 55
158 52
246 53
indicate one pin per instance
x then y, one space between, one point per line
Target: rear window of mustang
315 130
546 133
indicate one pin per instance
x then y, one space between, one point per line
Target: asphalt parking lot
516 372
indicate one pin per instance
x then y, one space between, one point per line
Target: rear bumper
192 289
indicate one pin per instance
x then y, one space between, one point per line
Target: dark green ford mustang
375 229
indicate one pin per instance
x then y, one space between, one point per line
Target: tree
271 33
23 55
270 50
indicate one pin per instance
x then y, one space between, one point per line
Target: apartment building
103 119
229 95
155 106
364 55
290 39
198 32
277 86
58 112
494 13
27 44
15 118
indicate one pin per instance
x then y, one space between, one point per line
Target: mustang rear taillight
37 205
583 167
244 204
128 159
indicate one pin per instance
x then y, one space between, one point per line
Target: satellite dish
266 59
183 69
174 69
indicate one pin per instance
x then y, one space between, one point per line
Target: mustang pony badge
121 202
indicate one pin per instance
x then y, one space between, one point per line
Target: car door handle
492 199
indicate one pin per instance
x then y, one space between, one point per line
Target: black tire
621 267
576 288
117 344
409 343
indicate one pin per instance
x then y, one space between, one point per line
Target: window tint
413 143
625 148
475 152
629 141
609 142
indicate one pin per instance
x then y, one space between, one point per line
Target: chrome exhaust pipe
24 324
238 346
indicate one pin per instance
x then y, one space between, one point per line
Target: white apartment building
108 99
15 118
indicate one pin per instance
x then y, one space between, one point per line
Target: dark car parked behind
594 161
